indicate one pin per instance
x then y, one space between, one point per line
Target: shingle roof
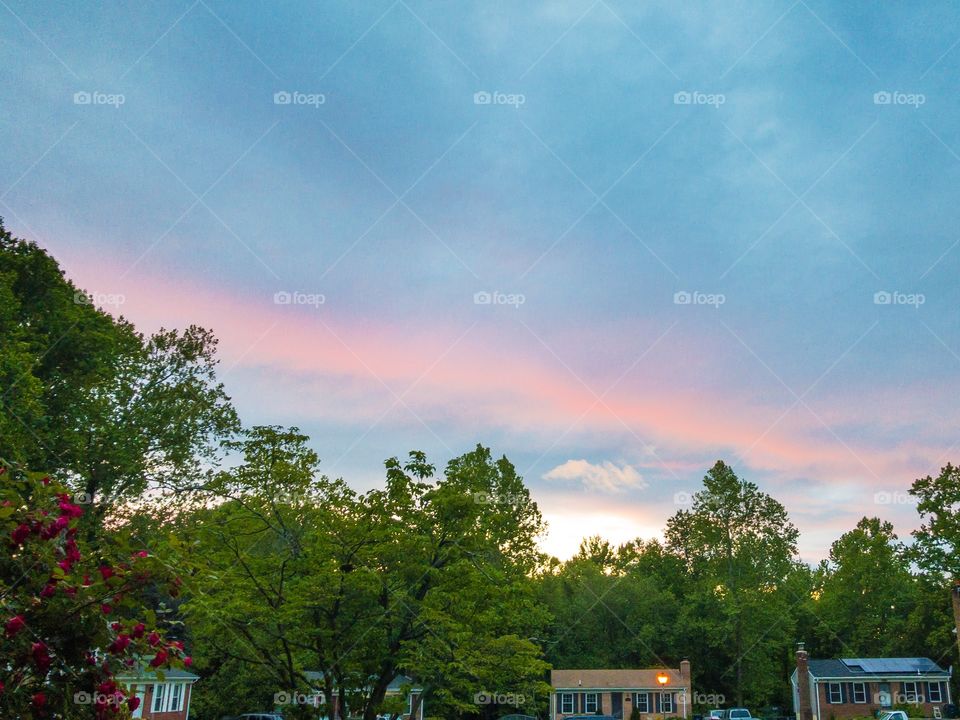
151 674
874 667
614 679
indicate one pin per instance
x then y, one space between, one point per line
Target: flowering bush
72 618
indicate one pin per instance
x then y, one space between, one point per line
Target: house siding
147 705
606 700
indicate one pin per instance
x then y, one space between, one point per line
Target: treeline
291 581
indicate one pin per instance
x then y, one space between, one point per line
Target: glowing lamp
663 678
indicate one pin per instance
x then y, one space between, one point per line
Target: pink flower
187 661
15 625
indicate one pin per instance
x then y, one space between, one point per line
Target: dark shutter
656 703
675 710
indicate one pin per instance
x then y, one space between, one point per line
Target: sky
613 241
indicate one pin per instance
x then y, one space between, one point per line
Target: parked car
260 716
893 715
715 715
737 714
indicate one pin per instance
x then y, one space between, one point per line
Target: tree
428 577
91 399
738 545
866 593
937 541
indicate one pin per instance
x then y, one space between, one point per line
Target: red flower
20 533
106 609
153 638
119 645
40 657
187 661
159 659
138 630
133 703
39 700
106 572
48 590
15 625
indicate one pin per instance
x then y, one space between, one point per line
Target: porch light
663 678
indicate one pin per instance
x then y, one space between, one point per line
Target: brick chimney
685 669
804 711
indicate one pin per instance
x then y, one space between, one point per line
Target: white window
859 693
159 697
176 698
933 690
834 693
910 694
566 704
642 702
590 702
666 702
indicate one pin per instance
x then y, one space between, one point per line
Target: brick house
167 699
656 692
858 687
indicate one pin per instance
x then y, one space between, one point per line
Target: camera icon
482 298
683 499
682 98
482 98
882 98
882 298
682 298
282 298
281 698
82 697
883 498
481 698
83 498
82 98
282 98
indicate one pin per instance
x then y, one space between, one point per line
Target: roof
874 667
395 686
144 673
615 679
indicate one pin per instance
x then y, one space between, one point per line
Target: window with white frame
176 698
933 692
666 702
159 697
590 702
834 693
859 693
566 703
910 693
642 702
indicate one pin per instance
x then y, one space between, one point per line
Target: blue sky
791 168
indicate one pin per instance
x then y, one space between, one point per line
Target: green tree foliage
738 547
87 396
937 542
428 576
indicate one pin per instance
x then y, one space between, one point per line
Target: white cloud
605 477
